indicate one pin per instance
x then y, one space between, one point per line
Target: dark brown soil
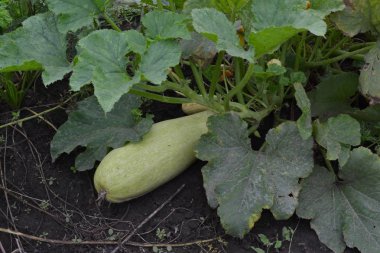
48 200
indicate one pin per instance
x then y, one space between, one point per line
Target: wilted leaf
198 47
217 28
243 182
359 16
345 211
370 75
90 127
37 45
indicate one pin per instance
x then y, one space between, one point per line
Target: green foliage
337 136
276 21
359 16
344 208
105 68
216 27
242 182
73 15
333 95
37 45
90 127
165 25
244 60
370 75
304 121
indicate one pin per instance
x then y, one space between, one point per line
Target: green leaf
369 114
190 5
345 211
37 45
264 239
337 135
160 56
258 250
5 17
166 25
370 75
271 71
104 65
243 182
304 122
90 127
136 41
332 95
359 16
216 27
73 14
276 21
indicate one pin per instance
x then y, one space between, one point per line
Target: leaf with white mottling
243 182
345 210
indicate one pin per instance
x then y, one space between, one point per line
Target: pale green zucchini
138 168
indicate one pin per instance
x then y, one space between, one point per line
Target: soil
49 201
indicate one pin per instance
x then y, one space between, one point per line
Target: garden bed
48 201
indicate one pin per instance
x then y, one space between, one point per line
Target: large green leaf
243 182
345 210
370 75
37 45
359 16
216 27
275 21
303 102
74 14
337 135
332 95
166 25
102 61
90 127
160 56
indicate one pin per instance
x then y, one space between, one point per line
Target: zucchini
138 168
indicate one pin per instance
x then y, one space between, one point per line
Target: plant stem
111 22
338 58
160 98
160 5
172 5
198 79
327 161
237 75
340 43
240 86
216 74
298 51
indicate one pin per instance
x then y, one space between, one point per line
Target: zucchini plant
293 62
